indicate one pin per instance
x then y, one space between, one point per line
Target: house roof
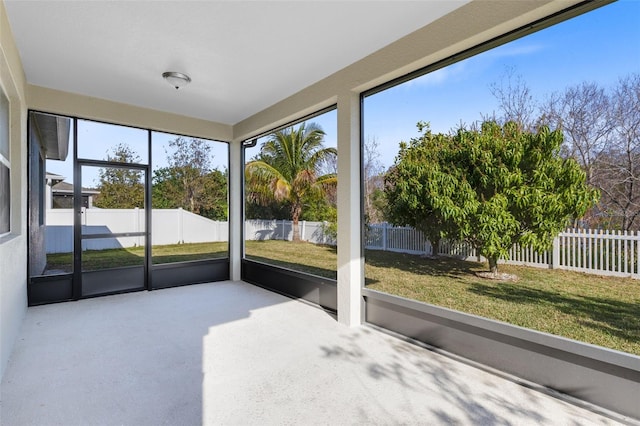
67 188
53 134
54 176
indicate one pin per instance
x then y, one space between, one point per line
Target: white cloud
466 68
514 49
441 76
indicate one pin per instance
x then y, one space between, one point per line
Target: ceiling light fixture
176 79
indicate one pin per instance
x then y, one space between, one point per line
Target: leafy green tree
316 207
189 182
492 186
422 193
168 192
266 210
120 188
287 170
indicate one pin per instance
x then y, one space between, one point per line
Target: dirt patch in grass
498 276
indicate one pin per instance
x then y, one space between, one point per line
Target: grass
304 257
600 310
102 259
604 311
593 309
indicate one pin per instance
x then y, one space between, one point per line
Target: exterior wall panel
13 247
37 255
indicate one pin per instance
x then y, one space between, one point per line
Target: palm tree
287 169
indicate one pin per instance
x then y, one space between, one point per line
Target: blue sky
97 140
600 46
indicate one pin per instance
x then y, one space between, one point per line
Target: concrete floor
234 354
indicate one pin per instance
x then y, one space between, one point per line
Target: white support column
350 261
235 209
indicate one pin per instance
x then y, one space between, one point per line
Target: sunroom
158 120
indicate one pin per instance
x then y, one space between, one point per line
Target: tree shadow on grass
295 266
415 264
329 248
296 256
187 257
133 256
613 317
93 260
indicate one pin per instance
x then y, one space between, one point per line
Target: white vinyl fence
584 250
169 226
313 232
613 253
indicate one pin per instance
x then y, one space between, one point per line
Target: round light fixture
176 79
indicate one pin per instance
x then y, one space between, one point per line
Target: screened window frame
251 142
5 164
603 375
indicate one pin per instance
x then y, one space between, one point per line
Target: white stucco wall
13 247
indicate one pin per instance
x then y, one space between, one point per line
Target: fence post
384 236
324 233
303 229
638 254
555 255
84 222
142 222
180 226
136 218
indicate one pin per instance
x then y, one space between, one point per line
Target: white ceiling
242 56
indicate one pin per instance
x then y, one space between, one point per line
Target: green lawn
304 257
600 310
102 259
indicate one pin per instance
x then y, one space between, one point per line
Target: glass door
112 227
92 230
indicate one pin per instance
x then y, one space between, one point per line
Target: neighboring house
60 193
48 139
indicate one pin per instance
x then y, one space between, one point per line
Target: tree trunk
296 210
493 265
435 247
